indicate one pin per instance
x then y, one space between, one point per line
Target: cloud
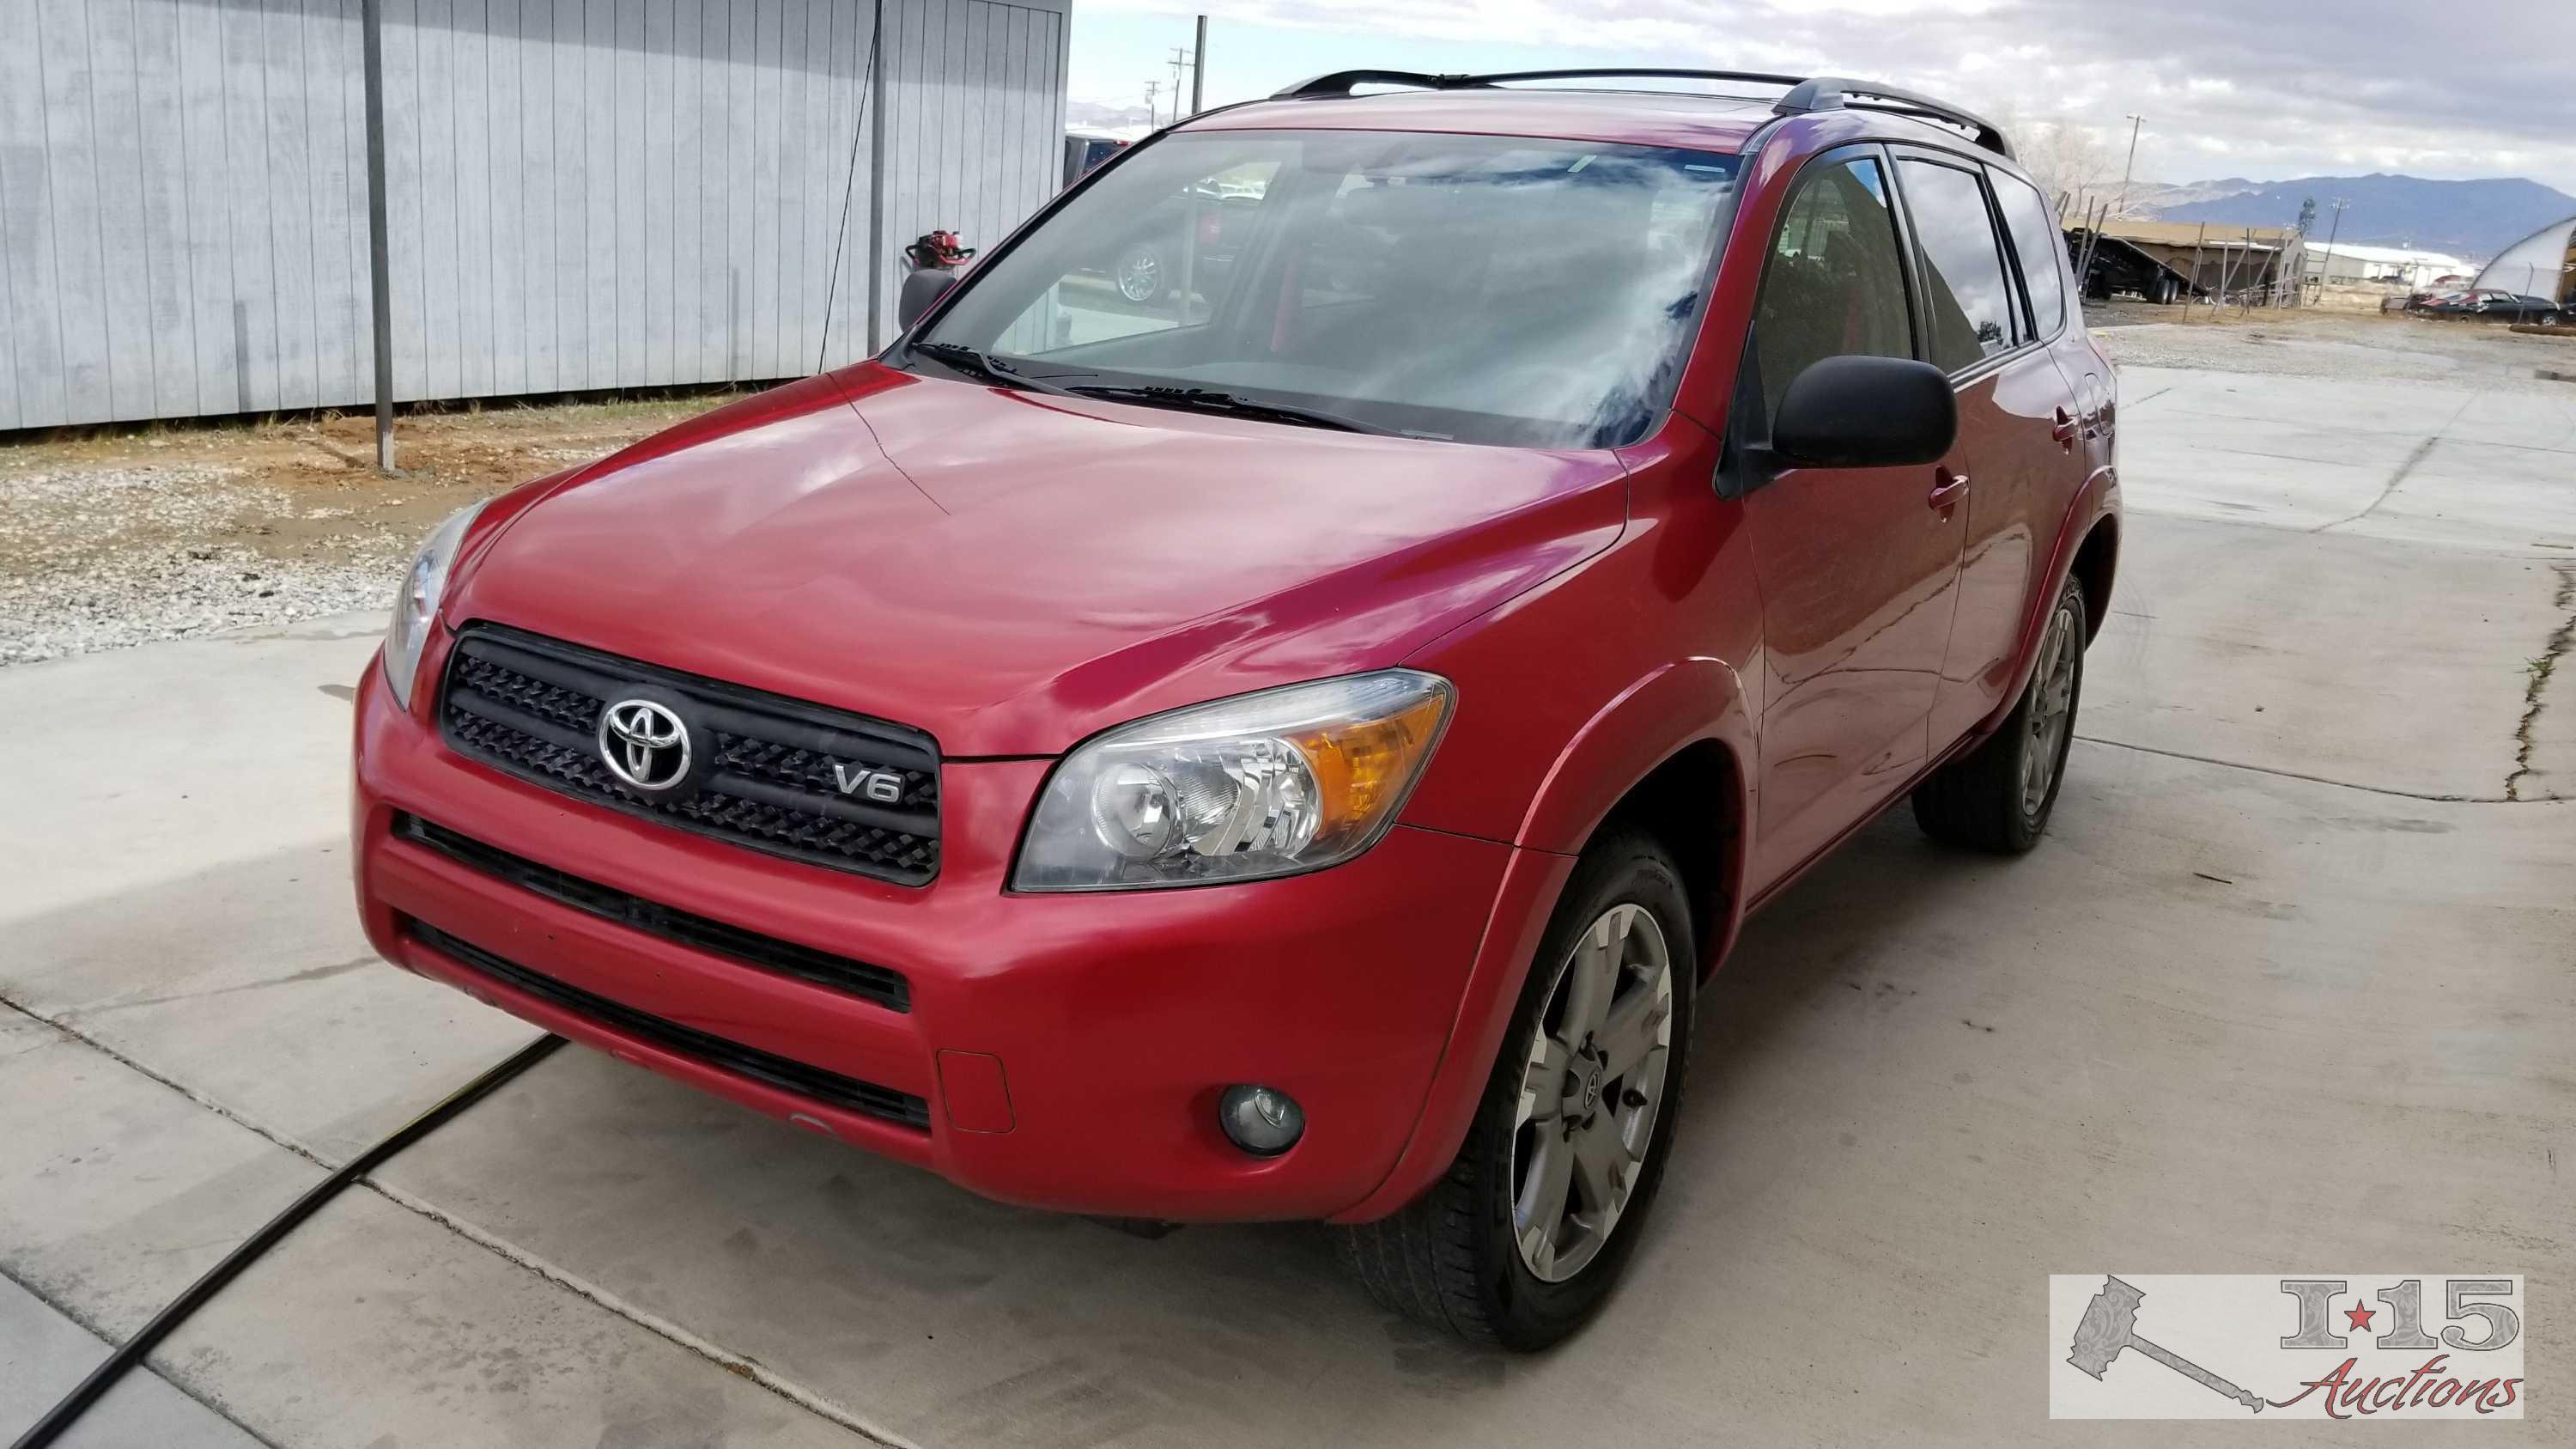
2265 88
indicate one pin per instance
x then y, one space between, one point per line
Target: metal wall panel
582 193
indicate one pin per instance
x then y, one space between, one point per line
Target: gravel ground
120 537
108 561
2350 345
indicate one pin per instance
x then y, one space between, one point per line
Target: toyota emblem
644 744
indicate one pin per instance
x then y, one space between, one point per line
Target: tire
1453 1259
1994 798
1139 273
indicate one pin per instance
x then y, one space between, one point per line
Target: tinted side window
1835 284
1964 288
2039 245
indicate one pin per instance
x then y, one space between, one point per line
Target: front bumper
1067 1050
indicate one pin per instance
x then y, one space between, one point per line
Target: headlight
417 604
1266 784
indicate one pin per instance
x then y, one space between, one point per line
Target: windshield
1477 288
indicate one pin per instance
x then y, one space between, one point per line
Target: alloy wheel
1590 1088
1140 275
2051 709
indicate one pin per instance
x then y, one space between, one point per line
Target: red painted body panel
1014 572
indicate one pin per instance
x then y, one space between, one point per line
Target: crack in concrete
2295 775
311 973
2413 459
662 1328
99 1331
2560 641
740 1365
2404 470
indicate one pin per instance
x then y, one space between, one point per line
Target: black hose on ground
132 1351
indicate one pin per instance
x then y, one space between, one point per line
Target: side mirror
1865 412
921 288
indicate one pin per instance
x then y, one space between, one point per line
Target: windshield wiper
1209 400
982 365
992 369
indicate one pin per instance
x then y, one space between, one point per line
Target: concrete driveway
2289 985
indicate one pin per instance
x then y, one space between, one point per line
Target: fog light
1261 1120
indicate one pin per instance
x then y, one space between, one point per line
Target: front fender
1654 719
1672 709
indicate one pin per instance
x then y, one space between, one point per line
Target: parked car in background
1147 263
1085 149
1296 756
2517 307
2493 306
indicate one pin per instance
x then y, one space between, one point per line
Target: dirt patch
114 536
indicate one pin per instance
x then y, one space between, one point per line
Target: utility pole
2332 231
380 283
2134 123
1153 112
1180 61
2196 244
1198 69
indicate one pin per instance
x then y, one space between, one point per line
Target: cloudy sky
2259 88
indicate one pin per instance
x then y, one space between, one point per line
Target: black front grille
767 1068
531 705
856 978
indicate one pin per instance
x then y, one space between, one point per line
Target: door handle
1946 488
2065 431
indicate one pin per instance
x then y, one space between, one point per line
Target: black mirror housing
1865 412
921 288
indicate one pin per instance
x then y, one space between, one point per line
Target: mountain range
2469 219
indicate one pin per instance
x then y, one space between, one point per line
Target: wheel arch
1677 742
2096 560
1693 805
2086 549
1672 755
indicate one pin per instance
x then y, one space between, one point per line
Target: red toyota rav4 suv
1290 749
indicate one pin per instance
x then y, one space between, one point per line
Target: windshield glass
1478 288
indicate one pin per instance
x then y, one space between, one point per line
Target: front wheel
1530 1229
1998 796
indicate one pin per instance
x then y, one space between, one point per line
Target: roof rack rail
1833 93
1642 73
1341 82
1805 93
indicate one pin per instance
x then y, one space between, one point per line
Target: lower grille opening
885 987
751 1063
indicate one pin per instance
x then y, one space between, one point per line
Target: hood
1012 571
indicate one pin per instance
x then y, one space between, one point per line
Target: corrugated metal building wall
583 193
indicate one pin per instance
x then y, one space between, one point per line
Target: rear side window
1835 284
1964 289
2040 246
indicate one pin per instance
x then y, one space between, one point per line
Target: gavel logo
2110 1324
